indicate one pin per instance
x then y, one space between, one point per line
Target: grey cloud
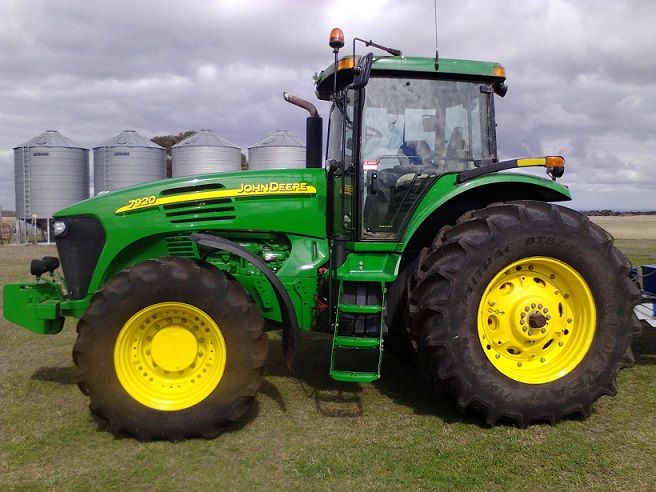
581 81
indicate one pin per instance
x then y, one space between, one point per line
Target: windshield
412 131
442 123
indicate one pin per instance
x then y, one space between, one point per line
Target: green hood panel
284 201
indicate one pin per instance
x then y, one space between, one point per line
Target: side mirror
500 88
362 71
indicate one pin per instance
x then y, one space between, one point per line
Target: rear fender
447 200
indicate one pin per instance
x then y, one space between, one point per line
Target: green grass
311 433
639 252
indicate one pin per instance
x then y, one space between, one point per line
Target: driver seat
413 152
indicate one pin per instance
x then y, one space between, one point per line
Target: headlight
59 227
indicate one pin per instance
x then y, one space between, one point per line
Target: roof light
345 63
336 38
499 71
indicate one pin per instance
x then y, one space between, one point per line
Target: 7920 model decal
257 189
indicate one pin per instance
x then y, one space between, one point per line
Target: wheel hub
536 320
174 348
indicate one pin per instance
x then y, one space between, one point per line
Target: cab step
359 309
356 342
354 376
358 326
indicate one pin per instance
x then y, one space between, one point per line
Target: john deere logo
274 188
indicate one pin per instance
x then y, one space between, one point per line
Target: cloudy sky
581 74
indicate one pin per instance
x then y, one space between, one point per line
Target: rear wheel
523 311
170 349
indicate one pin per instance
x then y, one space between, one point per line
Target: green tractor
406 233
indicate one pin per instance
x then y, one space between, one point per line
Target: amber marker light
346 63
554 161
336 38
499 71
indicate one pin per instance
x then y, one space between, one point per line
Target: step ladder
358 326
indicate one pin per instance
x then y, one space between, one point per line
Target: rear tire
170 349
523 312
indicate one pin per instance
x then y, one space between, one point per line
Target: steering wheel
370 132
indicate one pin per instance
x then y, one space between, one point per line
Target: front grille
79 249
202 210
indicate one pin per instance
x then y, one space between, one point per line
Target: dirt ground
628 227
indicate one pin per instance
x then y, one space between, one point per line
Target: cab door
341 157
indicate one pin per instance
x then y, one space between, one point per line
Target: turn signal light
554 161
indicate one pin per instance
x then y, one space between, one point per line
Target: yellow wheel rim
536 320
170 356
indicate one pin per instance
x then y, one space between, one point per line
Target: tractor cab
394 133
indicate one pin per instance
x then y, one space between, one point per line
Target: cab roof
447 68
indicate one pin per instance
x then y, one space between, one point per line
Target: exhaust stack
313 131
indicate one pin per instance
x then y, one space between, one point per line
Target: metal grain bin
204 152
50 173
277 151
128 159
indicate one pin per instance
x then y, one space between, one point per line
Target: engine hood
289 200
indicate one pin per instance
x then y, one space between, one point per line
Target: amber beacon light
336 38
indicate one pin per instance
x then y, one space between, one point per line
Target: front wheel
170 349
523 311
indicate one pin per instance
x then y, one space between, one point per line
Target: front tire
170 349
523 311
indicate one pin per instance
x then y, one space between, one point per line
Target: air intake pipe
313 131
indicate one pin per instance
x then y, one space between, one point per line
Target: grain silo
50 173
204 152
277 151
126 160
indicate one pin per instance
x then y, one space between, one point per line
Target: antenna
437 53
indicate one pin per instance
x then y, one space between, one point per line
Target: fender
291 336
488 189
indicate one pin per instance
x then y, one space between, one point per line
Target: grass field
311 433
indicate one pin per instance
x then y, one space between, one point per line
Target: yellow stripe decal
259 189
534 161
